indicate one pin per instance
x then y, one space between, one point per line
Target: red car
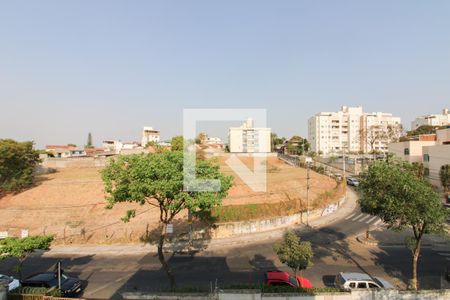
280 278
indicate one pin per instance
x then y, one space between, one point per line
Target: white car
360 281
11 281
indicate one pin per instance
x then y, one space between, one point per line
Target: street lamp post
307 193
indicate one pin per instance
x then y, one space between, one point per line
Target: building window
426 157
426 172
406 151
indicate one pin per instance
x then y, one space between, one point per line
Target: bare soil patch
70 203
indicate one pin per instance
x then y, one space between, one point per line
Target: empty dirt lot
70 203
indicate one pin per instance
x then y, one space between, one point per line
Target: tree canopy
444 175
177 143
17 163
294 253
395 192
298 145
157 180
21 248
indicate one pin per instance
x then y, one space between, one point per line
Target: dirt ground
70 203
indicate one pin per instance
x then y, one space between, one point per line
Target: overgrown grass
245 212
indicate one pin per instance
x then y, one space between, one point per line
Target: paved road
334 246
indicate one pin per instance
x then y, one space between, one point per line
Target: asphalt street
335 248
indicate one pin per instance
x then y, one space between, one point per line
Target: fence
37 297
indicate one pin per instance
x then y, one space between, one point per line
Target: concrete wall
225 230
439 155
76 162
257 295
415 150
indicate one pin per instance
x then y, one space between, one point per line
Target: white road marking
377 222
371 219
365 217
350 216
444 254
358 217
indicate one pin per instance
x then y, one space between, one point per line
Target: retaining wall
256 295
231 229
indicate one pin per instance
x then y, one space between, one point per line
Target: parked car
280 278
353 181
11 281
70 286
349 280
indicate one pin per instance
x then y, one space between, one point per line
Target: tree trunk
416 253
19 267
162 259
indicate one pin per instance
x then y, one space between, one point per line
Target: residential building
432 120
436 156
118 146
433 150
248 139
351 130
213 141
149 135
64 151
412 150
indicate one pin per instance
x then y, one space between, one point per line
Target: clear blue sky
111 67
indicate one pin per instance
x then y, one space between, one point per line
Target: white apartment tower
351 130
149 135
248 139
432 120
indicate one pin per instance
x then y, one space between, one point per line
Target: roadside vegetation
157 180
397 192
294 253
17 163
254 211
20 248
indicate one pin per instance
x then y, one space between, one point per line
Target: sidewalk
390 238
345 209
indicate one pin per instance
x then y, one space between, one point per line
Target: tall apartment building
149 135
433 120
248 139
352 130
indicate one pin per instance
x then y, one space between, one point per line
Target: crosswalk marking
365 217
447 258
377 222
444 254
371 220
350 216
357 217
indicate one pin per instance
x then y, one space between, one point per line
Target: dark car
69 286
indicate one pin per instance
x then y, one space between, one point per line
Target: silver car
10 281
349 280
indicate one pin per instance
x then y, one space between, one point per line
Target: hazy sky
110 67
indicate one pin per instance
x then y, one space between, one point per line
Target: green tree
298 145
21 248
177 143
17 163
275 141
294 253
444 175
393 191
89 141
157 180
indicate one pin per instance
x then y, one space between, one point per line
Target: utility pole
59 275
307 193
